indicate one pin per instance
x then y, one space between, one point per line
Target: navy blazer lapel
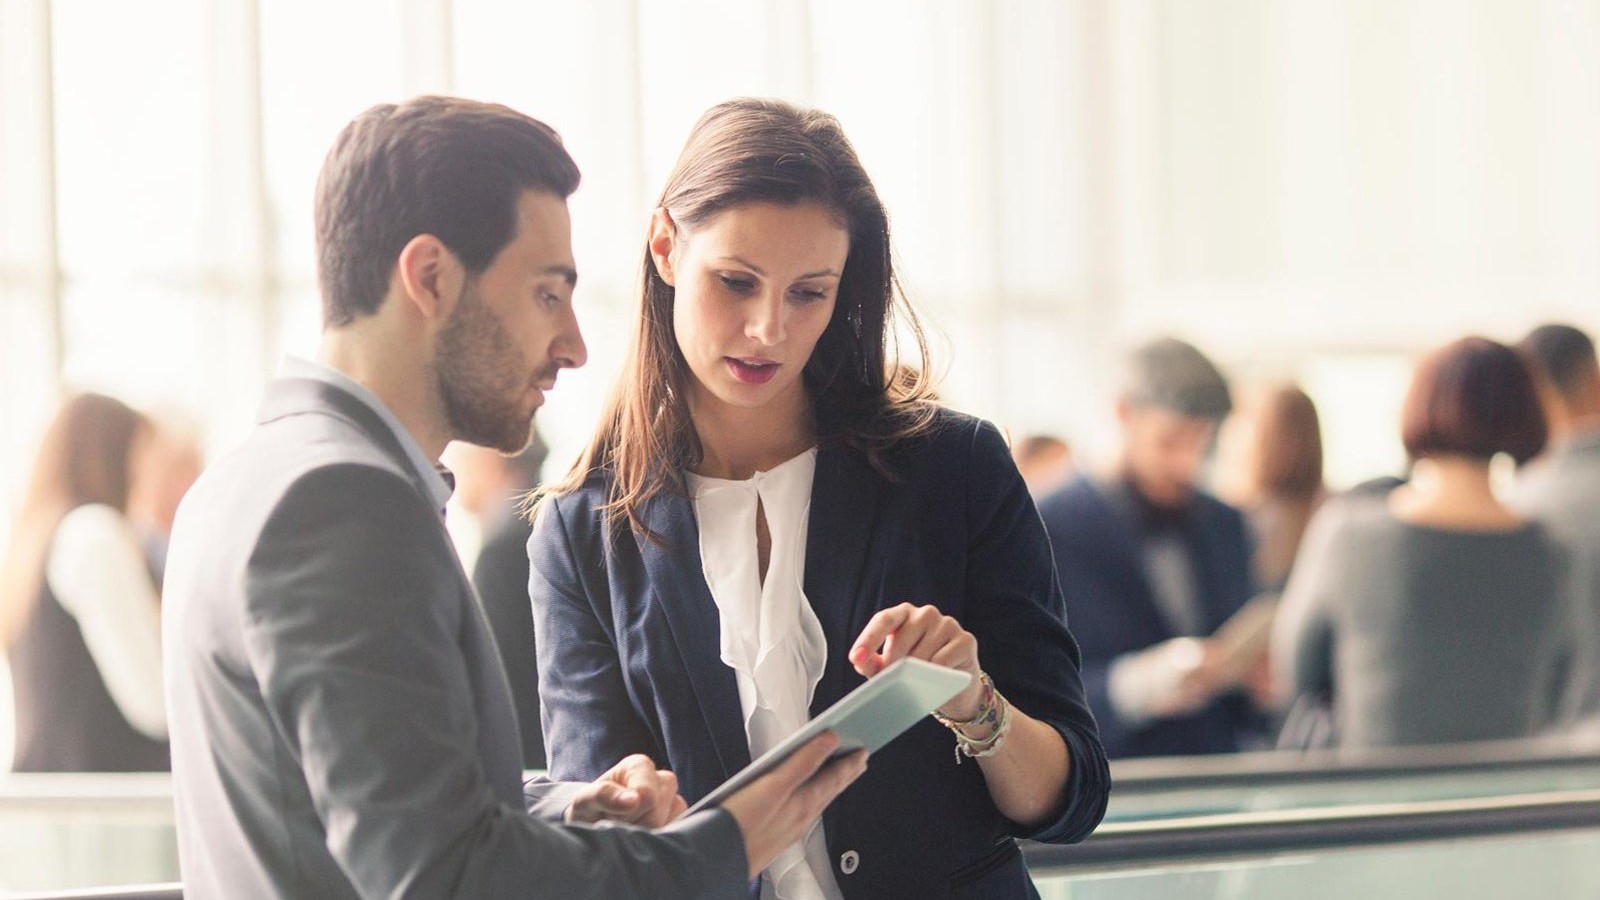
678 582
1207 553
1121 539
846 501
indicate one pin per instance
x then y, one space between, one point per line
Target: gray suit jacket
1423 635
1563 492
340 721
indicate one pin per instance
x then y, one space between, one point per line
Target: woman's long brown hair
765 151
83 459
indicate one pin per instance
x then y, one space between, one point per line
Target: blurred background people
1045 462
171 462
1435 613
1562 491
1274 475
1151 565
79 610
489 487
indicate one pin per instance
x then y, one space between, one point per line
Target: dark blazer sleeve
590 721
352 622
1236 551
1019 619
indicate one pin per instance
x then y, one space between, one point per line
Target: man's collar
427 471
1146 516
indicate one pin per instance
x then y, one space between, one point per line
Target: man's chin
1168 497
508 440
516 443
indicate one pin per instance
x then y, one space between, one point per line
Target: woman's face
755 287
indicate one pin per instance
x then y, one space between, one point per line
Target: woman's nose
766 321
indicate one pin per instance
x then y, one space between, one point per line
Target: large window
1307 190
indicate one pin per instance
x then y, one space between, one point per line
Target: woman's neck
737 442
1452 492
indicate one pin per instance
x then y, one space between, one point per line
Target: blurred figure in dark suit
1151 566
491 486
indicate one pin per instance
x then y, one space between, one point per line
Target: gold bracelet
992 709
986 708
991 746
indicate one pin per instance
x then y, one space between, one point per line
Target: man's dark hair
1170 374
1563 355
444 166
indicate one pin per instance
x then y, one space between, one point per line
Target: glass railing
75 831
84 831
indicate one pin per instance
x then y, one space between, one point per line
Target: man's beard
482 378
1165 513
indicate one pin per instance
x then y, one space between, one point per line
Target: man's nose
569 351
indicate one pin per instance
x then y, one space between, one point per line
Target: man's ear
1124 410
663 244
430 276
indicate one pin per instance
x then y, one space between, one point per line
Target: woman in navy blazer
768 305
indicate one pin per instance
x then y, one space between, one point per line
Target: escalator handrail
1121 844
1254 770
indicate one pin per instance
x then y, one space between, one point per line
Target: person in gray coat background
340 721
1434 614
1561 489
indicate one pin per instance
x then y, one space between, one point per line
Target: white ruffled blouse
770 636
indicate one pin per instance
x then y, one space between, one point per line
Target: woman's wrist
963 712
982 734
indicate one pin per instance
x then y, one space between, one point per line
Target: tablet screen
868 717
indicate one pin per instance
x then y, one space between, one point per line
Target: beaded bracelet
994 710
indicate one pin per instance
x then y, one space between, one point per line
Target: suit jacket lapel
846 501
679 585
498 739
1121 540
293 396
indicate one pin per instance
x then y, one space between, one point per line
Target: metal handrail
1123 844
1254 770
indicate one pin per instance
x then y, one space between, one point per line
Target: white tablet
868 717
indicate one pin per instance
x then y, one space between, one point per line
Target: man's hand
777 809
634 792
1259 684
1176 677
921 632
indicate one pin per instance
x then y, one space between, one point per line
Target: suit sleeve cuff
1087 789
548 800
717 833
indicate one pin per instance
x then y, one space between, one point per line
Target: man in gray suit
341 724
1562 490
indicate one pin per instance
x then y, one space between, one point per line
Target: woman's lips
752 370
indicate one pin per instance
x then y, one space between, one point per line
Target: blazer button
849 861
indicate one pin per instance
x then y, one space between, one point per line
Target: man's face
512 330
1163 452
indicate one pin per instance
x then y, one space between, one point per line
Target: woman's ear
663 244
